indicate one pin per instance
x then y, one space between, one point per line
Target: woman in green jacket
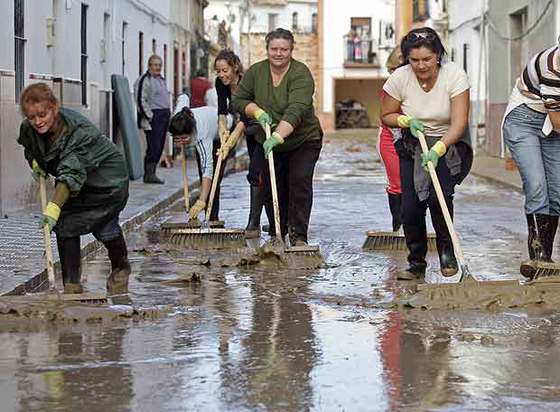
91 185
278 92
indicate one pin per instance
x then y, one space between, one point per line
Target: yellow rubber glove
223 132
198 207
414 125
263 118
224 150
437 151
50 216
36 170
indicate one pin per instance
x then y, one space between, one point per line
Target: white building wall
336 23
464 29
167 21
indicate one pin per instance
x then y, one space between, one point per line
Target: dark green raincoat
89 164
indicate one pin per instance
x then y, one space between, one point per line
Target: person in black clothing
229 72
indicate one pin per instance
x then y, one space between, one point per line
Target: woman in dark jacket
229 74
91 185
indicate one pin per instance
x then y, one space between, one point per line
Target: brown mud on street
487 295
240 331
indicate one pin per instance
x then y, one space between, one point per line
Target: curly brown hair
231 59
37 93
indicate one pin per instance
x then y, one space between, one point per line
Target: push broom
53 293
206 236
304 257
168 227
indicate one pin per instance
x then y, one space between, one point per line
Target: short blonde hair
153 58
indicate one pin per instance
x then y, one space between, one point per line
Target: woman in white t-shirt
432 96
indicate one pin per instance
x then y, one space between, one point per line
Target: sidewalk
22 263
494 170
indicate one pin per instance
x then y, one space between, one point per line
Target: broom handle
47 233
185 179
443 204
275 203
214 186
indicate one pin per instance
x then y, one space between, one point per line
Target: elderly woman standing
91 183
531 132
430 96
278 92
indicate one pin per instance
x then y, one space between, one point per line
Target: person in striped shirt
530 128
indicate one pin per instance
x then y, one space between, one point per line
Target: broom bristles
392 241
207 238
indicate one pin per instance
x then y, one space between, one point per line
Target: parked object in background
127 126
351 114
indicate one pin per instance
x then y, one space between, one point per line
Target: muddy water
252 338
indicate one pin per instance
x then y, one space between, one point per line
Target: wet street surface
222 337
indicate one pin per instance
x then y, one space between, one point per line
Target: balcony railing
360 52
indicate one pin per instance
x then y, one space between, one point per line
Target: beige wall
366 91
305 50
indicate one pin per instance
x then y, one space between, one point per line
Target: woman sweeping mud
278 92
530 131
91 183
431 96
229 74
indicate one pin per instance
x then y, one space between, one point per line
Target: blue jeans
537 157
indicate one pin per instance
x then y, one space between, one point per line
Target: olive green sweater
291 101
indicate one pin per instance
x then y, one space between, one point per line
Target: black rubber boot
395 208
253 228
447 260
70 263
417 243
215 206
540 242
269 209
150 174
117 282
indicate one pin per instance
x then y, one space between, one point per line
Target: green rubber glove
50 216
437 151
269 144
414 125
263 118
36 170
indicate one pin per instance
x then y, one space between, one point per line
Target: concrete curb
498 182
39 282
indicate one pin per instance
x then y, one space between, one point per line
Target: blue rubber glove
36 170
269 144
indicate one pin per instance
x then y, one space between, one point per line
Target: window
165 61
175 73
466 57
518 48
83 56
359 42
420 10
19 39
123 46
154 46
184 69
294 21
314 22
140 53
106 36
272 21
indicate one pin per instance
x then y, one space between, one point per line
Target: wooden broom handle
47 233
185 179
274 190
442 203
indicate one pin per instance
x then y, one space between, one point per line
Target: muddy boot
254 225
395 207
417 244
215 206
528 267
70 264
541 245
150 174
269 209
117 283
447 260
